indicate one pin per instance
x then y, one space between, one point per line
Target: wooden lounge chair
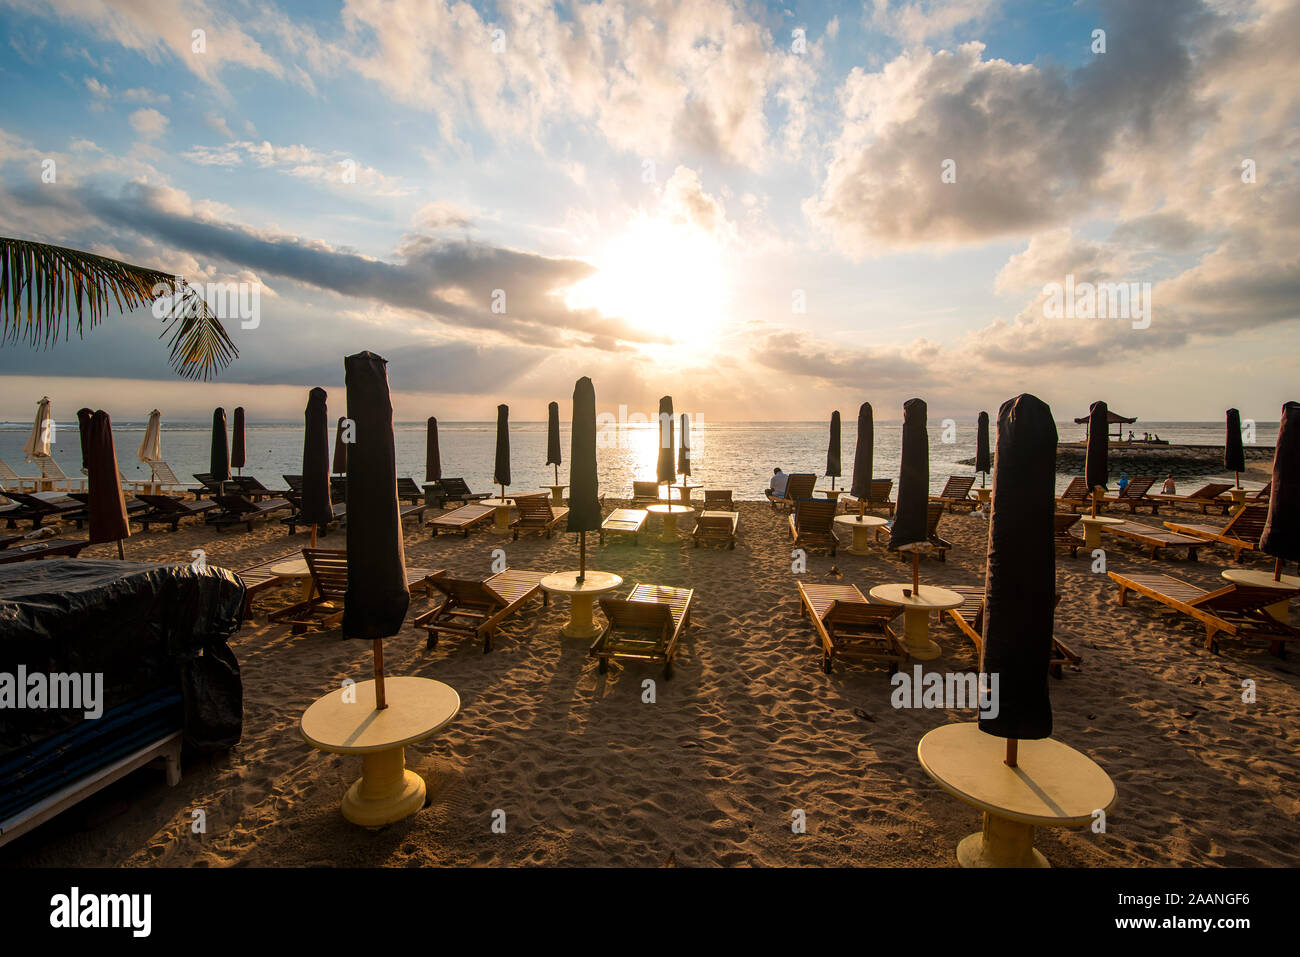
460 519
453 490
1241 534
877 498
211 487
415 511
718 500
338 512
9 479
813 524
329 577
645 626
250 487
35 507
850 626
799 486
164 478
956 491
1134 494
1075 495
1235 611
939 545
969 619
408 491
716 526
258 578
1204 498
1061 532
477 608
44 548
1154 539
293 481
56 479
625 521
167 510
238 510
537 515
645 492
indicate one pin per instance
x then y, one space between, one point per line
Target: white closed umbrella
38 443
151 447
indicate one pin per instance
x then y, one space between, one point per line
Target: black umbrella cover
1096 467
83 426
220 459
664 470
317 509
238 446
863 453
553 434
432 454
584 498
833 449
1020 587
1234 456
108 521
983 462
340 464
501 470
913 478
1281 537
377 598
684 447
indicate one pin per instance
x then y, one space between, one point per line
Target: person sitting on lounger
776 489
1169 488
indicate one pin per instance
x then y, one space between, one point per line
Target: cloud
916 21
333 168
148 122
441 214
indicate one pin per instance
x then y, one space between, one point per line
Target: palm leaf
47 291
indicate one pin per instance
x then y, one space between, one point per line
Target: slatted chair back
1210 492
800 486
1076 491
534 509
1137 487
848 617
1243 598
455 487
467 592
880 489
1063 522
718 500
329 572
163 474
1248 524
645 490
641 617
815 515
933 512
957 487
293 481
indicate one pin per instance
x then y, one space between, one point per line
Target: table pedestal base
1238 498
385 792
501 521
669 534
581 624
862 539
1002 843
916 635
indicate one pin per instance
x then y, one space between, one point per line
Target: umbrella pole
121 554
313 534
380 702
582 557
1277 567
1238 474
1094 503
557 474
916 572
1013 746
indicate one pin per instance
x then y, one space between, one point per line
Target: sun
663 277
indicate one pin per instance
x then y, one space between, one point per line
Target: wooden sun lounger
1204 498
166 510
164 478
1075 495
940 546
718 500
258 578
645 626
338 510
251 487
238 510
812 523
625 521
58 480
454 489
36 507
1235 611
477 608
43 548
879 497
408 491
716 526
1154 539
460 520
329 578
9 479
969 619
956 491
1061 532
536 514
1241 534
134 507
850 626
645 492
1135 494
798 486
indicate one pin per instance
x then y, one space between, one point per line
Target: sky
767 211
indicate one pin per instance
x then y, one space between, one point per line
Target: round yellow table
862 527
557 493
1264 579
670 514
501 517
295 569
833 493
916 614
684 491
984 493
1052 785
346 722
1092 529
581 596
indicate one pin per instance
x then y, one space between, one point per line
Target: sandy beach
748 731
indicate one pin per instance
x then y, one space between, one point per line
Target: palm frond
47 291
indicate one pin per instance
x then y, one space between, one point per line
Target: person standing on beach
1123 482
1169 488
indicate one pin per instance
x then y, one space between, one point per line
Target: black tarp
1020 583
553 456
833 468
684 447
863 453
219 460
108 522
1096 465
665 471
983 461
432 454
238 442
83 427
377 598
1234 456
1281 537
501 464
584 496
913 478
317 509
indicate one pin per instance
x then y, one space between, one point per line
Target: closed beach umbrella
1020 583
238 444
432 455
1281 537
584 497
220 459
684 447
151 445
83 427
107 509
317 509
340 465
1096 468
553 438
983 463
862 456
37 445
501 468
913 478
664 470
1234 456
833 470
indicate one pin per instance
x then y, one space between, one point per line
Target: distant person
776 488
1122 483
1169 488
1130 435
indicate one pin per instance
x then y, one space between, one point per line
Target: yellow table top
293 568
665 509
1101 520
566 583
1260 578
691 485
865 521
552 487
1052 784
497 502
931 597
417 708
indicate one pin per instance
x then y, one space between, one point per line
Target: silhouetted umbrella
150 449
238 449
553 438
1281 537
664 471
833 470
108 521
83 427
862 456
1020 587
983 463
684 447
913 484
340 463
219 462
377 598
584 499
432 454
501 469
37 445
317 509
1234 456
1096 467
